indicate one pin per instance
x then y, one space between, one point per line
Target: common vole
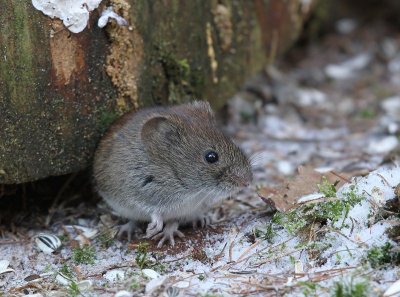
168 165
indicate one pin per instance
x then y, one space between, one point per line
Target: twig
59 195
243 272
277 257
247 250
231 245
385 180
271 248
13 241
217 257
345 236
340 176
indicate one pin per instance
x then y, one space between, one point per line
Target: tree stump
59 91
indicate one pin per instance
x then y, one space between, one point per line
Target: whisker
256 159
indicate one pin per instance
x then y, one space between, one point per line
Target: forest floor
333 109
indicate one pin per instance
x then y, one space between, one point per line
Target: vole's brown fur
152 166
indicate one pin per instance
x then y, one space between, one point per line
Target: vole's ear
202 105
203 108
159 130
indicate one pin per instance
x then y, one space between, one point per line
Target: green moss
326 188
176 70
367 113
350 289
267 233
383 256
308 288
134 284
67 271
73 290
291 221
182 81
63 237
18 70
107 118
322 212
84 255
142 255
106 239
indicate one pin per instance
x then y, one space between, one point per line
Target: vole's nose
245 184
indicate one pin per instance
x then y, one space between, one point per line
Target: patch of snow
114 275
154 284
85 285
123 293
324 169
390 47
150 273
74 14
285 167
108 14
182 284
393 290
62 279
391 106
382 182
383 145
394 65
4 267
282 129
348 69
311 97
346 26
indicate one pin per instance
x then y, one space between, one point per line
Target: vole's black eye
211 157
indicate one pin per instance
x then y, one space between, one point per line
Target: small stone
85 285
391 106
285 167
154 284
393 289
123 293
114 275
298 267
384 145
150 273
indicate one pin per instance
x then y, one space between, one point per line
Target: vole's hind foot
170 230
155 226
129 228
202 221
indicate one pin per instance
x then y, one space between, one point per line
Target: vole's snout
245 184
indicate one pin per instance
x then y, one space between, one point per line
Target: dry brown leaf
286 196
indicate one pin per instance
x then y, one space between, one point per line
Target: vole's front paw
202 221
170 230
128 228
155 226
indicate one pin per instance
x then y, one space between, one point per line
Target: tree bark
59 91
